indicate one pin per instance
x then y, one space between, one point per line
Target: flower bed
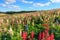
30 28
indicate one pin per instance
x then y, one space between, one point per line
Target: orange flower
46 26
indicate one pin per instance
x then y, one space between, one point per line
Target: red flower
42 35
48 38
46 31
32 34
52 36
39 36
24 35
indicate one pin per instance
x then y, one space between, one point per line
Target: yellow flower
20 32
33 23
10 31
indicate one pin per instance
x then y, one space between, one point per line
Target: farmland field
39 25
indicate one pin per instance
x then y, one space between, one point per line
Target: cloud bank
55 1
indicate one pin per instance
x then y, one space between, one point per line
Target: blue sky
20 5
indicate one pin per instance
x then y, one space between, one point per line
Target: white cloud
3 5
31 7
41 4
9 5
55 1
28 2
48 3
14 7
9 1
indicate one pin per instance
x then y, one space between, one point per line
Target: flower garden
30 26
